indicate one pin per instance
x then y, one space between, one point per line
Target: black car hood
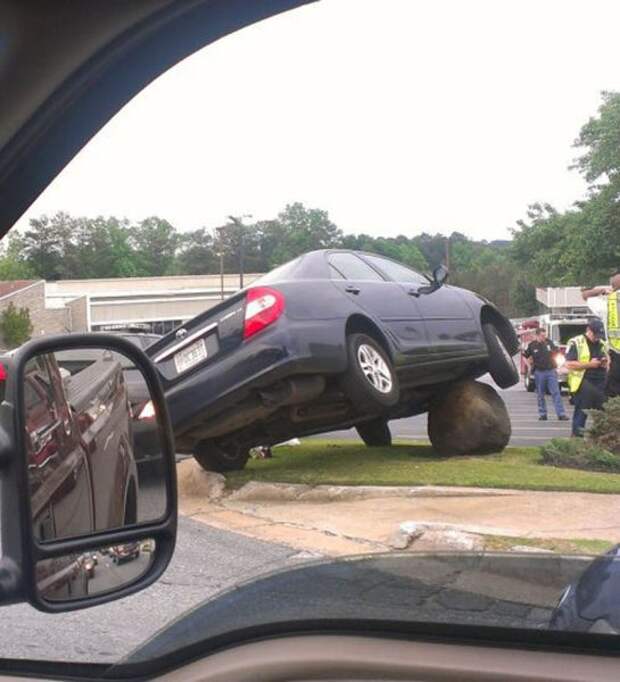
501 590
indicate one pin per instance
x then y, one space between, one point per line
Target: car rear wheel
501 365
221 457
370 381
375 433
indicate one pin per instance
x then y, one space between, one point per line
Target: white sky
396 116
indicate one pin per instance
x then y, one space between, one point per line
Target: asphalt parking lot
526 429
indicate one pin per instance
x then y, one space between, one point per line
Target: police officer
606 303
586 360
541 354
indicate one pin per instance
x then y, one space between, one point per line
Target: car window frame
380 276
424 278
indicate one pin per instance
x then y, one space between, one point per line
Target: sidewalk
339 520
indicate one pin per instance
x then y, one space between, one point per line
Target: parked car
331 340
146 443
592 602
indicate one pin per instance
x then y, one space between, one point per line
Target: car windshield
357 440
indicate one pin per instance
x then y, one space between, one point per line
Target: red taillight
263 306
2 372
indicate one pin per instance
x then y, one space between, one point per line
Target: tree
155 242
44 245
197 254
304 229
600 137
12 264
15 325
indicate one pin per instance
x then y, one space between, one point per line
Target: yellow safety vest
613 320
575 376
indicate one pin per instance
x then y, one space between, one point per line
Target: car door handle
414 292
352 290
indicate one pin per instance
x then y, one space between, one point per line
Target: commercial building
157 304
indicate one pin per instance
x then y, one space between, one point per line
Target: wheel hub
375 368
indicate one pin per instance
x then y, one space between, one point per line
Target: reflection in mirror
95 572
93 444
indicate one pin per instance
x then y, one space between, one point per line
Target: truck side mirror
88 481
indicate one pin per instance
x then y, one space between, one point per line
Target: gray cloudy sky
396 116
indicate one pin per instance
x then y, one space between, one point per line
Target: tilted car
330 340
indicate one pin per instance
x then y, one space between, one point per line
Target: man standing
541 355
586 360
605 301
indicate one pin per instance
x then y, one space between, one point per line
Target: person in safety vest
606 303
586 361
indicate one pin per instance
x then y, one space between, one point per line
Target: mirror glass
93 444
440 274
95 572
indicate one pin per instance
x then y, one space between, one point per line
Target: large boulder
468 418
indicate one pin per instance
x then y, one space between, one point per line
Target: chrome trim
186 342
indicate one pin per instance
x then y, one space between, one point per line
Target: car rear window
279 274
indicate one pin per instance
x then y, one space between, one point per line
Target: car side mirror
88 483
440 277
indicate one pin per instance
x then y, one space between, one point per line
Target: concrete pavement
341 520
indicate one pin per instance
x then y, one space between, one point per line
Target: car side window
350 266
396 271
335 274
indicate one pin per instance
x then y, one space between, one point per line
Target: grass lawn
502 543
341 463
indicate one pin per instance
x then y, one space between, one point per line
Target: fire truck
560 329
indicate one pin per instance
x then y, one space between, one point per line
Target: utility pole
220 254
448 254
237 221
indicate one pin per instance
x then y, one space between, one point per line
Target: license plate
191 356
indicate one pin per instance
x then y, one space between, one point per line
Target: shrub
605 426
578 453
15 325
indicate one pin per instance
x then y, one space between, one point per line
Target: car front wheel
501 365
370 381
221 457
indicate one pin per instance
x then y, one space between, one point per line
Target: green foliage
580 246
15 325
600 137
605 426
155 243
578 453
12 263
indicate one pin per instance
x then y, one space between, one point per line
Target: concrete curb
257 491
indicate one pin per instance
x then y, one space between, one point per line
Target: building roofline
22 289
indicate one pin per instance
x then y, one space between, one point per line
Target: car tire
214 456
370 382
375 433
501 365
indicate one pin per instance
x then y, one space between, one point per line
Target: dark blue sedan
330 340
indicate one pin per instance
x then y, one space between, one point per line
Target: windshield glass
378 433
